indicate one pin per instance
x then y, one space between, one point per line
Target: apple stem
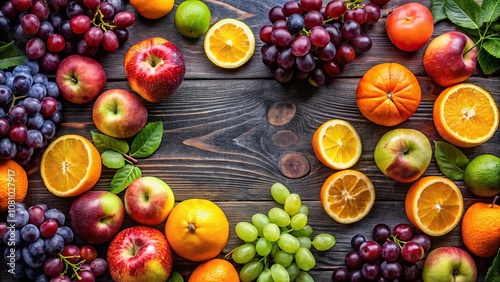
494 200
130 158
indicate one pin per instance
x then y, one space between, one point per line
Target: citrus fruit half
229 43
434 205
465 115
215 270
70 166
13 183
347 196
337 144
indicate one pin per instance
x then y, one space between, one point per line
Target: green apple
446 264
403 154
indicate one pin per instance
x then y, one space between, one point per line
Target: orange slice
465 115
70 166
229 43
347 196
434 205
337 144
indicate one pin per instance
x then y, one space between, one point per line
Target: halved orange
434 205
70 166
347 196
229 43
465 115
337 144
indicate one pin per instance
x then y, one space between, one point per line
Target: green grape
271 232
292 204
251 270
279 273
305 259
293 270
304 209
298 221
305 242
246 231
279 192
259 220
279 216
304 277
244 253
323 241
263 247
265 276
288 243
306 231
175 277
283 258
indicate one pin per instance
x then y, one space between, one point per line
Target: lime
192 18
482 175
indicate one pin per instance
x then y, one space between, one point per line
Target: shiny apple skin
449 264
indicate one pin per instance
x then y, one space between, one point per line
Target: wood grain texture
227 131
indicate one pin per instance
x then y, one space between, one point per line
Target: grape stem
395 239
74 266
98 21
15 98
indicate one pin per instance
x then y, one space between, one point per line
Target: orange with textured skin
13 183
481 229
215 270
152 9
388 94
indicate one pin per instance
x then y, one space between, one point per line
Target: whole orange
197 229
215 270
13 184
481 229
152 9
388 94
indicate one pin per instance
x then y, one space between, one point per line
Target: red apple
119 113
139 253
80 79
450 58
149 200
96 216
155 68
449 264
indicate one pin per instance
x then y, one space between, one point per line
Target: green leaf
463 13
437 10
112 159
147 140
123 177
12 61
103 142
488 63
10 55
490 11
492 45
493 274
450 160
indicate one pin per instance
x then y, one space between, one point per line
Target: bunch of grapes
39 247
30 111
277 246
53 29
307 40
388 256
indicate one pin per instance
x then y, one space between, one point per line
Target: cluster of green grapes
277 246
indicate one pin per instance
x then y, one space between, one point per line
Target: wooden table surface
221 127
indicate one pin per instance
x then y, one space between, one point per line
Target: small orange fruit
215 270
152 9
197 229
70 166
481 229
388 94
337 144
13 183
229 43
434 205
465 115
347 196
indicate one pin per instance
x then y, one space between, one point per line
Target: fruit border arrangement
49 52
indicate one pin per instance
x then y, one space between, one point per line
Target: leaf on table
492 45
463 13
493 274
437 10
112 159
10 55
488 63
123 177
450 160
490 11
147 140
103 142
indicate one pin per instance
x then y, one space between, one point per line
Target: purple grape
98 266
353 260
276 13
390 251
295 23
66 233
53 266
35 48
345 54
370 270
34 139
423 240
49 61
390 269
281 37
370 250
361 43
410 271
283 76
319 37
403 231
312 19
48 129
4 127
301 45
107 10
326 53
74 9
37 91
17 114
32 105
381 232
286 59
350 29
54 244
118 5
37 248
357 240
317 77
340 274
56 215
335 9
5 95
31 261
412 252
21 84
270 55
35 121
305 63
373 13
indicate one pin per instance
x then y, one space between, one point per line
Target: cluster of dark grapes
39 247
307 40
30 111
387 256
53 29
